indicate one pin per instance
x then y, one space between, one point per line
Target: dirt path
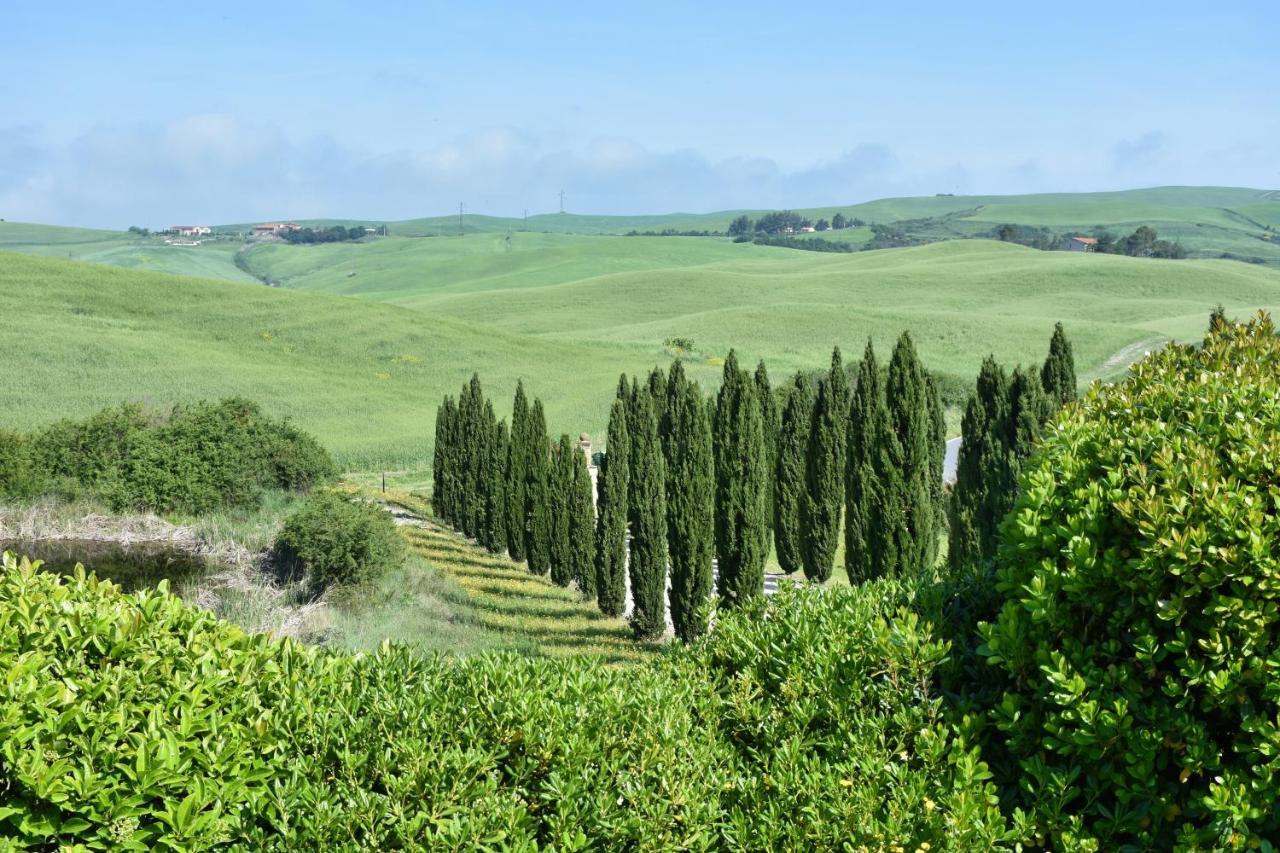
1128 355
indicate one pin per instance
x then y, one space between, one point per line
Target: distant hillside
365 378
1210 222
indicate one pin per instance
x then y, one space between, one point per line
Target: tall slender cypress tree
742 505
496 497
691 508
657 387
538 493
937 462
582 523
867 551
613 484
471 450
825 473
441 459
907 401
984 470
560 492
770 424
790 483
518 477
1058 376
648 566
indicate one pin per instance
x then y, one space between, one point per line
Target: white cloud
217 168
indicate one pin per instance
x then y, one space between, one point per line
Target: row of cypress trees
687 479
870 455
513 490
1002 420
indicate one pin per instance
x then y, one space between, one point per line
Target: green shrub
138 722
193 458
1140 635
337 541
19 477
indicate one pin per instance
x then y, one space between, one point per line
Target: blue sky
153 113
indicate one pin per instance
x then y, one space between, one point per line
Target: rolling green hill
960 299
211 259
365 378
566 313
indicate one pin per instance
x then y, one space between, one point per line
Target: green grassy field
567 313
959 299
365 378
211 259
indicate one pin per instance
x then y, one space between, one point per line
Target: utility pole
562 201
526 219
459 219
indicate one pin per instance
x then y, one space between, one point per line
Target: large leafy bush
1140 638
192 458
138 722
336 540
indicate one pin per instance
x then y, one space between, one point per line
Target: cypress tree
984 470
560 493
496 494
790 484
937 461
582 522
771 424
742 506
657 389
1058 376
906 400
690 505
441 459
518 477
648 565
613 484
825 473
867 554
538 493
471 451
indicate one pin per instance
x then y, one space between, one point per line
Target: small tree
739 226
839 222
1058 377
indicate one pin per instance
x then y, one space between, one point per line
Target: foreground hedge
137 722
1140 638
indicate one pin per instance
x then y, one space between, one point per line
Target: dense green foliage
647 566
1140 636
742 505
770 424
613 486
790 486
332 234
690 470
1001 425
337 541
137 722
823 500
193 458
